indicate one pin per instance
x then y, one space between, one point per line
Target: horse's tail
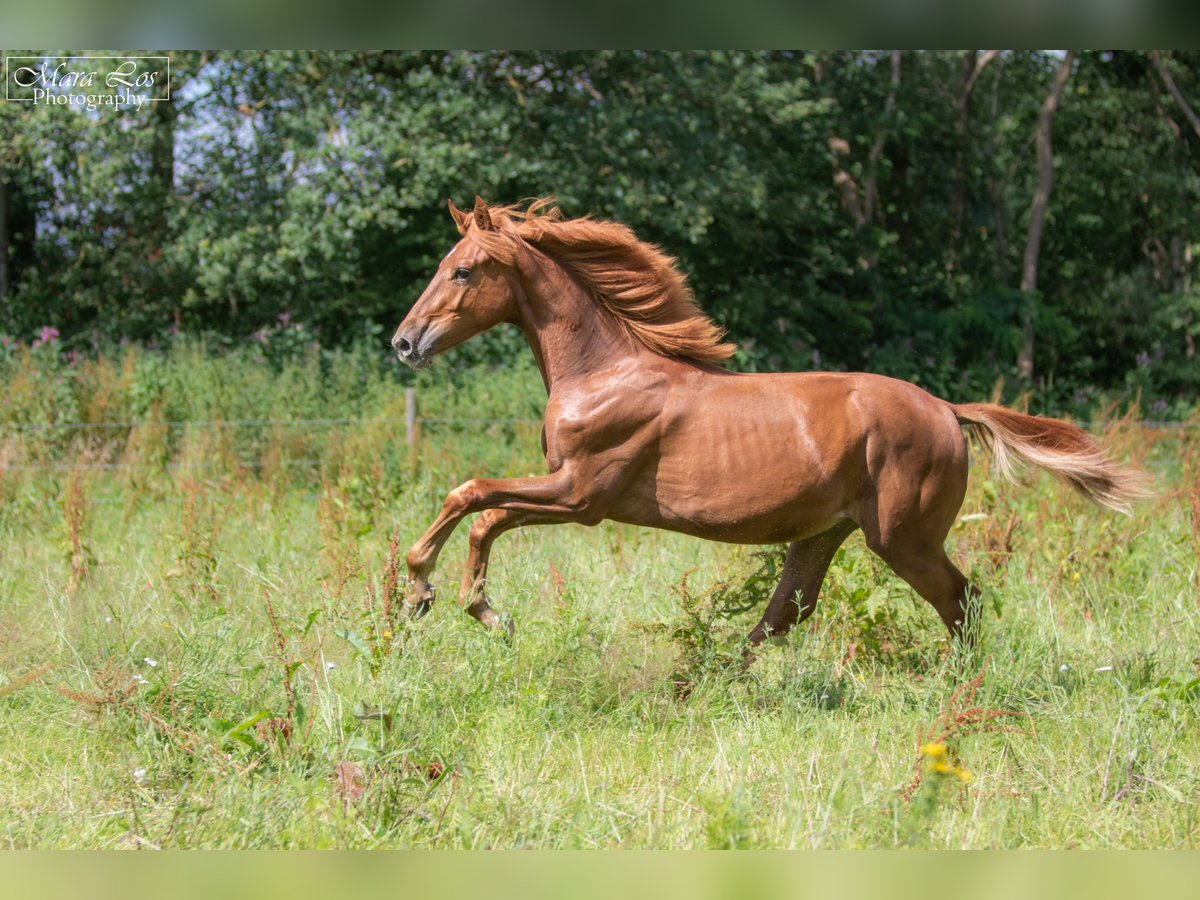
1063 449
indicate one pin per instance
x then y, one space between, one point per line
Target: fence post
410 416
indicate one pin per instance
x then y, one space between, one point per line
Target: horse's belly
738 491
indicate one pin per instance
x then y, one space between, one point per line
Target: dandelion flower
933 750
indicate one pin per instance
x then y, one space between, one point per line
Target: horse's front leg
490 525
559 497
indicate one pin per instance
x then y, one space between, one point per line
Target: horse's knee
459 500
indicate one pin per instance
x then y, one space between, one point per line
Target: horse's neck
570 334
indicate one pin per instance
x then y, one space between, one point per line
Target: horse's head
470 292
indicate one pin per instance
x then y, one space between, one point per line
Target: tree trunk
871 201
1185 287
164 121
996 184
1181 248
4 240
162 165
1037 210
1176 94
862 204
972 68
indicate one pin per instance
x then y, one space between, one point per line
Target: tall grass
209 654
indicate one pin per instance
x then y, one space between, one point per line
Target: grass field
205 654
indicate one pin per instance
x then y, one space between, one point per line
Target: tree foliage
862 210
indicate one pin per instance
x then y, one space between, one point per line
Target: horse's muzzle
413 349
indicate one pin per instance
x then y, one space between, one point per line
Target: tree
833 210
1037 209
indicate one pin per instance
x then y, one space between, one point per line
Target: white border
7 80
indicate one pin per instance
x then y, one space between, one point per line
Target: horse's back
848 410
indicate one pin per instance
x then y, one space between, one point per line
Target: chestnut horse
643 426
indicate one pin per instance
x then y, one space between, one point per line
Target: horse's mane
635 281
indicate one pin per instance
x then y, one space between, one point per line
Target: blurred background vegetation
954 218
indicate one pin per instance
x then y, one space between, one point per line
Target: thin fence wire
170 466
222 423
439 420
33 428
436 420
256 423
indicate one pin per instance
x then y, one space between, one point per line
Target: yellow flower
387 635
943 767
964 776
933 750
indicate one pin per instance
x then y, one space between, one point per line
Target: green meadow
202 643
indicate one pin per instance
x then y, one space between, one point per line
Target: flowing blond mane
636 282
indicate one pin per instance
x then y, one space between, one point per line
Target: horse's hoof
418 598
483 613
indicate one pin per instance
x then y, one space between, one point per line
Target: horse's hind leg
906 525
921 561
804 569
939 581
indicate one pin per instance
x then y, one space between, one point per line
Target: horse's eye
462 274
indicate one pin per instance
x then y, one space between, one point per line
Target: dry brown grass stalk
28 678
959 717
77 515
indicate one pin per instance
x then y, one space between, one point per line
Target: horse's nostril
403 347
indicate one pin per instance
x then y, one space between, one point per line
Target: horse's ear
460 218
483 219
